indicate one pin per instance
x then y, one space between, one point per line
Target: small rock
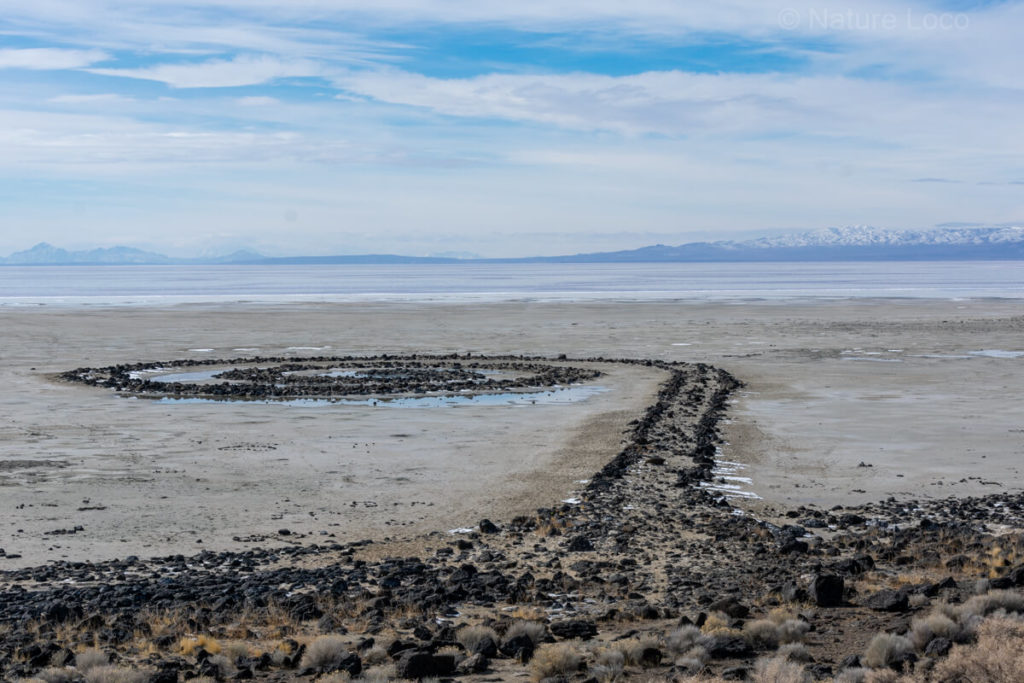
938 647
474 664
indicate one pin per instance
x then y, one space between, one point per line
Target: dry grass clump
188 646
555 659
935 625
682 639
779 627
793 631
610 665
778 670
57 675
375 656
885 648
534 630
633 649
860 675
718 623
225 667
115 674
794 652
761 632
380 674
454 650
918 600
324 652
983 605
997 657
233 649
90 659
854 674
471 636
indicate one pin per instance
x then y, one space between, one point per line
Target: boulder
580 544
576 628
827 590
887 600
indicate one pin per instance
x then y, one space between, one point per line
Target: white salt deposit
997 353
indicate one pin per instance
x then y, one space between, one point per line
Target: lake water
154 285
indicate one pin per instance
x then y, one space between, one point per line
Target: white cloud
257 101
242 70
49 58
93 99
681 104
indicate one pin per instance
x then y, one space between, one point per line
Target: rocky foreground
651 574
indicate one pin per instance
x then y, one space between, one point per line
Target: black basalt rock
827 590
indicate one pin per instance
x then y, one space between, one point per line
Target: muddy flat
845 401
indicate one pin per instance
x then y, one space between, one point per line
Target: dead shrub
682 639
534 630
935 625
717 622
852 675
90 659
778 670
610 665
886 648
324 652
793 631
997 657
337 677
115 674
761 633
632 649
471 636
983 605
234 649
375 656
225 667
918 600
188 646
379 674
55 674
555 659
794 652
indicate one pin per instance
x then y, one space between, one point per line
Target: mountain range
856 243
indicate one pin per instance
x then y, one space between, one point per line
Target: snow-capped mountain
865 235
855 243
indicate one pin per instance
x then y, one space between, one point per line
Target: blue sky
497 128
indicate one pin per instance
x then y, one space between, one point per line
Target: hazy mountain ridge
853 243
49 255
44 253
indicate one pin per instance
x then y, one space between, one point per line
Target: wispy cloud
219 73
49 58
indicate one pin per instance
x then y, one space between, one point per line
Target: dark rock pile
338 376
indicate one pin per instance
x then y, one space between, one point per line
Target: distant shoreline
70 286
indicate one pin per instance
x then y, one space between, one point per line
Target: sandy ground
898 385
